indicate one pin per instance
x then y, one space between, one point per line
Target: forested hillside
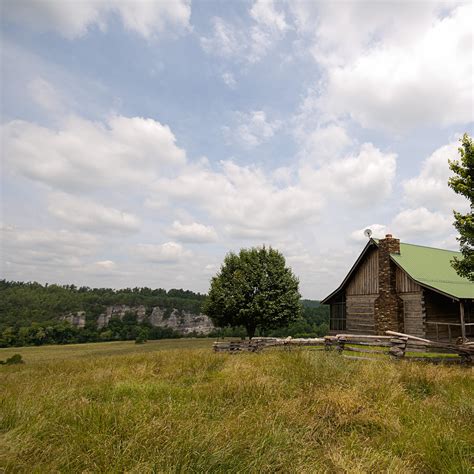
30 314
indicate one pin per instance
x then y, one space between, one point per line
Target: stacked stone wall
388 307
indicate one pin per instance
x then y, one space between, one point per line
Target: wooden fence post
340 345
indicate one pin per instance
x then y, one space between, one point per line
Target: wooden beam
463 325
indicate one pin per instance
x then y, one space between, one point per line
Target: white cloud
244 199
253 129
243 43
358 180
379 231
74 19
421 224
226 40
169 252
46 247
430 188
106 265
339 35
194 232
397 86
323 144
265 13
87 215
82 154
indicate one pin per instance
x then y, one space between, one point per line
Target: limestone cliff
77 319
183 322
119 311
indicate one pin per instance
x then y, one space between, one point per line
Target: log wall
413 314
360 314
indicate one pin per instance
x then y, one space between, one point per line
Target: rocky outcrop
119 311
75 319
182 322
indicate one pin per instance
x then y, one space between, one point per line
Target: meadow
175 406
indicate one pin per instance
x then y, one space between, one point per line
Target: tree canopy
463 183
254 289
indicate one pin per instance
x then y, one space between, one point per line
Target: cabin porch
447 319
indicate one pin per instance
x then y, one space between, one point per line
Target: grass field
175 406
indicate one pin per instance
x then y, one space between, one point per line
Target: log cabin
406 288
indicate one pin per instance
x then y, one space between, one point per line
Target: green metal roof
432 268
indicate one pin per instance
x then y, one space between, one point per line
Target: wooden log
400 334
366 351
367 343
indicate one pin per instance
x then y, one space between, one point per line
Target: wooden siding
404 284
413 313
365 280
360 314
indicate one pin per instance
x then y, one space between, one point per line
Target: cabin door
413 315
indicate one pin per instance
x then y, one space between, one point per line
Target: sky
142 141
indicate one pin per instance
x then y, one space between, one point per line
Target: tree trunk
250 331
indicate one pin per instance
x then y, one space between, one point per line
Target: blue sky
141 141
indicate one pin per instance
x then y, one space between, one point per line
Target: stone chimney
388 307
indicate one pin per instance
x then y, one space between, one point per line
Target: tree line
30 314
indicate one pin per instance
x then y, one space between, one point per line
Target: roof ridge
431 248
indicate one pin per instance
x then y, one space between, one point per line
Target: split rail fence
394 345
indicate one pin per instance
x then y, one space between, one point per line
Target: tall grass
191 410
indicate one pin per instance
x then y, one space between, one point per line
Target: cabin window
337 320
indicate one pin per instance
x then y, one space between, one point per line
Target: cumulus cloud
421 224
395 86
355 179
74 19
430 188
87 215
169 252
323 143
248 203
82 154
193 232
338 35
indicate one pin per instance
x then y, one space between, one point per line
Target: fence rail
448 326
394 345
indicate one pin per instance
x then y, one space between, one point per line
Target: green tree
463 183
253 289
